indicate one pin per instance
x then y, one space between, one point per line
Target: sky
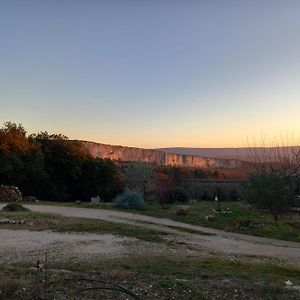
150 74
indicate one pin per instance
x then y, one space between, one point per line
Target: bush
205 196
14 207
130 199
178 194
233 195
220 193
297 201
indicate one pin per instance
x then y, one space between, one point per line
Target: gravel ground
89 245
17 245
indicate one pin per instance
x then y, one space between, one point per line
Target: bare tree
280 155
274 169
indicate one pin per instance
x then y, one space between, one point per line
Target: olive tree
138 176
272 191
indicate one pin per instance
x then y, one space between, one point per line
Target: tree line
51 167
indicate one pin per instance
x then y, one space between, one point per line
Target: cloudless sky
151 73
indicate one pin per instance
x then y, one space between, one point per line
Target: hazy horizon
152 74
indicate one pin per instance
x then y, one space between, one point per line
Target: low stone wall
207 189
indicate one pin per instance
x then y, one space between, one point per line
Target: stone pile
10 194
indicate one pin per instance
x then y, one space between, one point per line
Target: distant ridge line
240 153
157 156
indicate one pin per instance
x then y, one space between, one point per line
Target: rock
288 283
295 209
30 198
182 210
10 221
247 223
5 221
209 218
95 200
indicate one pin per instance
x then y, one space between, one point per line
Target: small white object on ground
288 283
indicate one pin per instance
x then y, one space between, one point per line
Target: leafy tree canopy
51 167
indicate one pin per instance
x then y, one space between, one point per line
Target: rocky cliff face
156 157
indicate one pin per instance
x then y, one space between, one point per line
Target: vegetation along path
194 237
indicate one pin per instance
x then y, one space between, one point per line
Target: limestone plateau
156 157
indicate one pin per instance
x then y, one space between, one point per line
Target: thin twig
114 287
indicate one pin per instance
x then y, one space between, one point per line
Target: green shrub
297 201
178 194
220 193
130 199
205 196
14 207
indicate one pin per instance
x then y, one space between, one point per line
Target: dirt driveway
217 242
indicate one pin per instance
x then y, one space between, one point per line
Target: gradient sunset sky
151 73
